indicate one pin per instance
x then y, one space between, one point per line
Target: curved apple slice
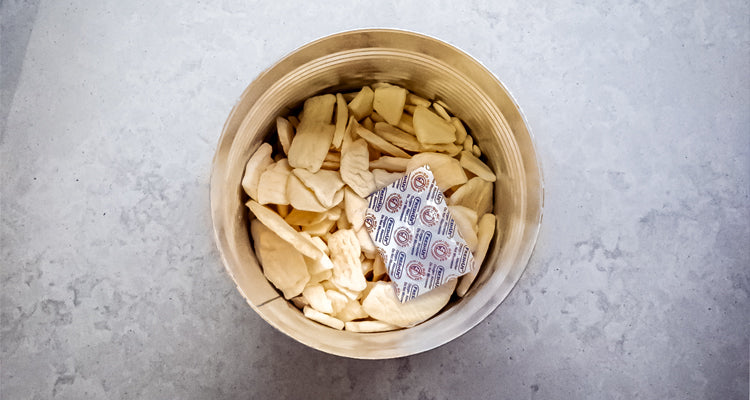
382 304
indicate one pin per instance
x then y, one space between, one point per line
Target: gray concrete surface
112 286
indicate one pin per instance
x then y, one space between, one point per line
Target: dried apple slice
342 116
413 99
460 130
406 123
351 311
282 264
347 269
382 304
277 224
301 217
254 169
485 231
446 170
272 183
466 220
389 102
477 167
302 198
379 143
323 183
324 319
475 194
369 326
430 128
355 164
318 109
355 207
440 110
384 178
285 131
310 146
316 297
388 163
397 137
361 106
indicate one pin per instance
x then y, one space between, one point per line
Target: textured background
112 286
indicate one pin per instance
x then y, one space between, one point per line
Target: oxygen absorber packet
415 234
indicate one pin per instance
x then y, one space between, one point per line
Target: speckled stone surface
112 287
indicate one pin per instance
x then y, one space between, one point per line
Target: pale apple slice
272 183
448 148
475 194
413 99
397 137
476 166
337 300
365 243
460 130
318 109
351 311
406 123
382 304
355 207
388 163
466 221
323 183
384 178
285 131
440 110
310 145
277 225
299 302
254 168
342 117
301 217
375 117
347 269
316 297
468 143
446 170
324 319
302 198
320 269
361 106
355 164
379 143
282 264
321 228
369 326
430 128
485 231
388 101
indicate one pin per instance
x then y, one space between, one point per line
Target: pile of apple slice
308 189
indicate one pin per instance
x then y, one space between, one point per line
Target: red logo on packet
429 215
403 237
419 181
415 270
370 222
441 250
393 203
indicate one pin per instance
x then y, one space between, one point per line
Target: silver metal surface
432 69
